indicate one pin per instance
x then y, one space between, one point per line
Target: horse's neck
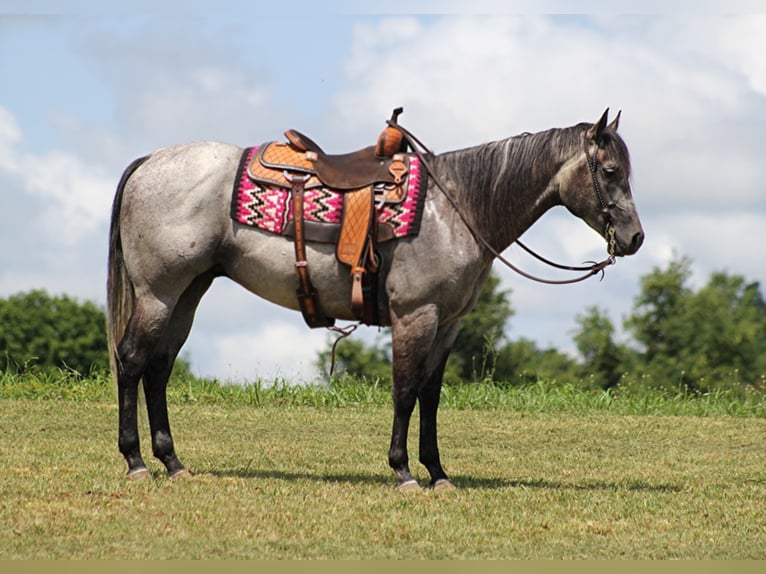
504 187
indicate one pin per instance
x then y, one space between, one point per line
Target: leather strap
370 314
355 241
357 294
307 294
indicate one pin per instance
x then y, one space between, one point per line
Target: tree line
40 331
699 339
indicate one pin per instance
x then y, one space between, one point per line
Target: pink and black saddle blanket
269 207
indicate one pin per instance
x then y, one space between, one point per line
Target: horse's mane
493 178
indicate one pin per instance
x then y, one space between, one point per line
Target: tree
51 331
604 361
522 361
735 327
658 321
702 339
482 333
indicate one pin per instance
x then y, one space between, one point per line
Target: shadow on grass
350 478
544 484
463 482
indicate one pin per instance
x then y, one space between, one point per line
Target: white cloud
171 87
464 80
741 42
74 197
10 133
276 350
730 241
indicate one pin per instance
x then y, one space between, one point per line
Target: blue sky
86 90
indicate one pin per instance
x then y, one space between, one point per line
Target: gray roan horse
171 235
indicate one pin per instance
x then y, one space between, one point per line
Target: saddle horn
391 140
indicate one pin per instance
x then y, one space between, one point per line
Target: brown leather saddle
300 164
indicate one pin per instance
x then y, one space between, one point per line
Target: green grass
300 472
542 397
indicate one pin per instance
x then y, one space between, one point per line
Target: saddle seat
381 163
343 171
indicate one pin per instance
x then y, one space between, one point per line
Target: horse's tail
119 288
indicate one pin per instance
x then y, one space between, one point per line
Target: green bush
51 331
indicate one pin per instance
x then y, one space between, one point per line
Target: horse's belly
264 264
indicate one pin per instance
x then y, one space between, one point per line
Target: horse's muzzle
635 244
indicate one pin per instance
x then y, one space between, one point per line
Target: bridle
606 208
422 152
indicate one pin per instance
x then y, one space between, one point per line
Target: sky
86 89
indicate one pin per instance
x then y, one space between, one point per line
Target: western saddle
300 164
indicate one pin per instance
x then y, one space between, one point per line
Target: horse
171 234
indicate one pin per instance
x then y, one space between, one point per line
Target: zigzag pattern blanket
270 208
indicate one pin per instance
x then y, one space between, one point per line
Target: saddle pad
270 208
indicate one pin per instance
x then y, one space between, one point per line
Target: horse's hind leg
145 327
158 371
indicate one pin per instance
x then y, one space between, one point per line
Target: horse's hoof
443 484
181 474
138 474
409 486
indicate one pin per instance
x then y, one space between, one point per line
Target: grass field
296 473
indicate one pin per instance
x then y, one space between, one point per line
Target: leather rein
421 150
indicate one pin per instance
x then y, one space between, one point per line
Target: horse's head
595 186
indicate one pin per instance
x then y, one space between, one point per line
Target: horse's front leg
429 404
419 354
412 336
404 396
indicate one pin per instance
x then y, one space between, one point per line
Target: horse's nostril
638 239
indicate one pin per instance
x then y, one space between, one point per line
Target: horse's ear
594 132
615 122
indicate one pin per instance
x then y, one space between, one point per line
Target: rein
420 149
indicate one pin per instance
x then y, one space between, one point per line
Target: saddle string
344 332
421 150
